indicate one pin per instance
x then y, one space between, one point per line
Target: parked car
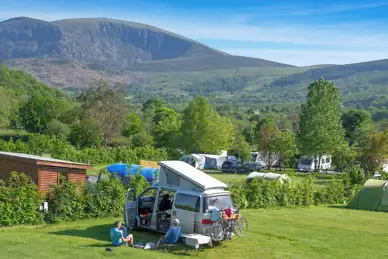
257 166
234 167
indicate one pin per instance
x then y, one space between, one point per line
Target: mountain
112 44
375 71
71 54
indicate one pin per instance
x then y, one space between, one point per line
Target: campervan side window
187 202
220 202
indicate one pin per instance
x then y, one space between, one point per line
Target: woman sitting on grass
117 236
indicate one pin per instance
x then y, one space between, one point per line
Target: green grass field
316 232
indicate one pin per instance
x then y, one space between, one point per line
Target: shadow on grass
101 233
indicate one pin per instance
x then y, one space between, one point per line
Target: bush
260 193
19 201
105 198
141 140
150 153
66 202
126 155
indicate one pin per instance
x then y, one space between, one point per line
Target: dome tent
268 176
372 196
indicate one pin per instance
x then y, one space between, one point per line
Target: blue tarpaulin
124 170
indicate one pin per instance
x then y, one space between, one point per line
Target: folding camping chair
171 239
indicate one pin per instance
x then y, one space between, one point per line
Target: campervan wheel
240 226
217 231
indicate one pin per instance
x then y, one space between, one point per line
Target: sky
293 32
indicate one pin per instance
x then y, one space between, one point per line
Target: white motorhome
307 163
183 193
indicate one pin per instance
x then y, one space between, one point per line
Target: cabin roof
192 174
46 160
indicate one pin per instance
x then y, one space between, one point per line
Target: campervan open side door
130 209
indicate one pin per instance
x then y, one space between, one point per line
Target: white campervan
307 163
184 193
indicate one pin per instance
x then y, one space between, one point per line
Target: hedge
19 201
61 149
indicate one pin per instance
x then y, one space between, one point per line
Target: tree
241 149
149 109
85 133
203 130
320 127
39 111
132 124
7 107
374 151
106 107
285 145
353 121
267 142
166 127
343 156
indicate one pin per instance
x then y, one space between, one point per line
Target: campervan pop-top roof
195 176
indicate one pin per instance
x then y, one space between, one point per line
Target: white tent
194 160
269 176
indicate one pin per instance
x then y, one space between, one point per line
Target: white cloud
307 58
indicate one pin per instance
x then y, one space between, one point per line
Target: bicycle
225 226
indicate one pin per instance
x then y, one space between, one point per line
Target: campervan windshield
306 161
220 202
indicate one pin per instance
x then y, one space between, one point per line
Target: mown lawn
316 232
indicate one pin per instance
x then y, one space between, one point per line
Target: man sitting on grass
117 236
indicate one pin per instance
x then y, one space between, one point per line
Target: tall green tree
240 149
105 105
320 126
374 151
39 111
149 111
7 107
132 124
285 145
269 137
353 121
166 127
203 130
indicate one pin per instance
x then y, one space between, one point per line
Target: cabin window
187 202
62 177
323 160
327 160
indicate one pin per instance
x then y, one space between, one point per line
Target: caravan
307 163
183 193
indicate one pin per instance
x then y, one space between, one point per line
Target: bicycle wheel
240 226
217 231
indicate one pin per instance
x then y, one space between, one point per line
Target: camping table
196 240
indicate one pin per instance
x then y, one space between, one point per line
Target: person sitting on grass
117 236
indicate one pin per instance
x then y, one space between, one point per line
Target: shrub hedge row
61 149
19 198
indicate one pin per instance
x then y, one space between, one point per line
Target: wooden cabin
44 171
